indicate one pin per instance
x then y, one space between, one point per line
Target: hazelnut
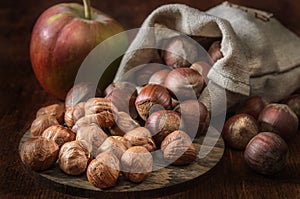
123 101
73 157
239 130
144 73
93 135
253 106
129 87
42 123
266 153
124 123
141 136
294 103
39 153
202 68
137 163
103 119
56 110
99 105
178 149
114 146
215 51
104 171
195 116
123 140
81 92
152 95
162 123
184 83
180 51
280 119
159 77
74 113
59 134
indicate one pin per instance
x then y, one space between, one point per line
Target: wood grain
167 178
21 96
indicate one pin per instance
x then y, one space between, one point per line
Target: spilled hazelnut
239 130
114 146
266 153
74 113
280 119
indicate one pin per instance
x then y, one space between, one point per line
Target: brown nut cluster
116 126
264 130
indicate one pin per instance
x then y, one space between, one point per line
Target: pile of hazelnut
112 133
264 130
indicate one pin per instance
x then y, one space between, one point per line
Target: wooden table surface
21 96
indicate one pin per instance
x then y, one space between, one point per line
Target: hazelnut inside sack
253 58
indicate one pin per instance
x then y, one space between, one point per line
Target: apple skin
60 41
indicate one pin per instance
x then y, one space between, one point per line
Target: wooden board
170 179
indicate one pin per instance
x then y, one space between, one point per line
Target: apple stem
87 9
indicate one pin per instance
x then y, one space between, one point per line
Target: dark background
21 96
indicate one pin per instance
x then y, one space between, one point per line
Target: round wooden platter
167 180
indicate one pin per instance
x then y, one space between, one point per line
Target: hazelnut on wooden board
280 119
56 110
178 149
124 123
81 92
180 51
184 83
137 163
150 96
239 130
73 157
104 119
266 153
194 119
161 123
42 123
114 146
59 134
39 153
74 113
214 51
99 105
93 135
253 106
141 136
104 170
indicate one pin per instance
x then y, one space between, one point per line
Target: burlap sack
261 56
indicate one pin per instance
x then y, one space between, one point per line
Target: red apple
61 39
